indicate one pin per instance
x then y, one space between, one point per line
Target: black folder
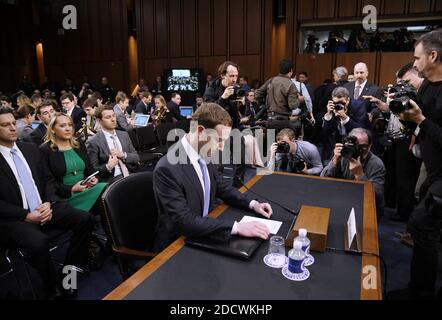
238 247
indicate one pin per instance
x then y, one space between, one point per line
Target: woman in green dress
69 164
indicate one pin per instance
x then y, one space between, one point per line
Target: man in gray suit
111 151
123 123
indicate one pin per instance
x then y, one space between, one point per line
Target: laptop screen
186 111
141 120
35 124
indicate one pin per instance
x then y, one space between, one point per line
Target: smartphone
88 179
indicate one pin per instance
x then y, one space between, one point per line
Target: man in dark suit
361 87
68 101
144 106
185 191
174 106
28 208
343 115
111 151
45 111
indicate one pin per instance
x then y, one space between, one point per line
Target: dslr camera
283 147
238 92
351 149
298 164
339 107
403 93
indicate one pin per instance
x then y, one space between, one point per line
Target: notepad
273 225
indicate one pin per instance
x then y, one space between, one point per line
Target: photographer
403 167
281 98
343 115
425 221
295 156
225 91
353 160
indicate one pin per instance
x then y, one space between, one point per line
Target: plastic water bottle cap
297 245
303 232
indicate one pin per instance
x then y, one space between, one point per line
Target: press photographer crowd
54 136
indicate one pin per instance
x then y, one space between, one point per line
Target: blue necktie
31 194
206 180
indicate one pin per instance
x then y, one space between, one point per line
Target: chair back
146 138
131 212
162 131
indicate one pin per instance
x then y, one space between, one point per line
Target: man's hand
253 230
330 108
228 92
337 154
341 114
301 98
305 170
356 168
414 114
117 153
273 149
312 119
34 217
112 162
263 209
379 103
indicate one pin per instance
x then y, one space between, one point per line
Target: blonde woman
69 164
161 113
23 100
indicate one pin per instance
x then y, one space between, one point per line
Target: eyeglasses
364 146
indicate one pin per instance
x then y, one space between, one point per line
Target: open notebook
238 247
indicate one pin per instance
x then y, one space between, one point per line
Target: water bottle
302 237
296 258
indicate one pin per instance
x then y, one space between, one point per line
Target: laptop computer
186 111
35 124
141 120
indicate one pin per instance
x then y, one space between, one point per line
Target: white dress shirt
110 144
194 157
360 85
6 153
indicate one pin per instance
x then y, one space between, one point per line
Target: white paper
351 226
271 224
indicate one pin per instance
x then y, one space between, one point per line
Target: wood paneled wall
382 66
181 33
203 34
326 9
99 47
17 52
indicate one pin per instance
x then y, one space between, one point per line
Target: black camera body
283 147
298 164
403 93
238 92
351 149
339 107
